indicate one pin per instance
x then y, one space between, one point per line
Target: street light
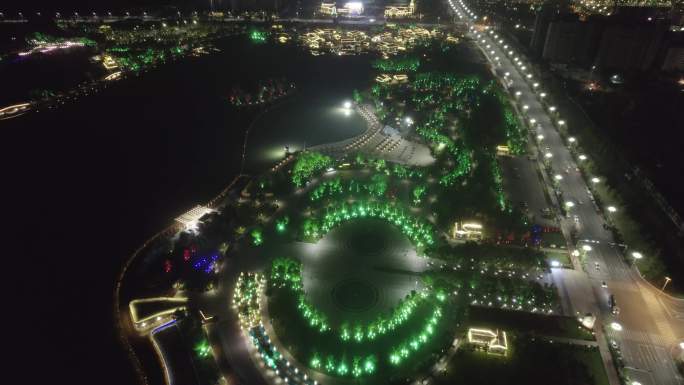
586 247
569 204
582 157
616 326
558 177
540 137
595 180
347 104
548 155
571 139
667 280
637 255
612 209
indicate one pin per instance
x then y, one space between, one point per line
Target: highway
650 325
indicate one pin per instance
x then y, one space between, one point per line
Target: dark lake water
87 183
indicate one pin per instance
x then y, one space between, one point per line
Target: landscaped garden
350 263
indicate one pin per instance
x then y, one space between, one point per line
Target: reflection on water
303 121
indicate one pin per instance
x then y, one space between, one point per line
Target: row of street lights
560 123
58 14
541 94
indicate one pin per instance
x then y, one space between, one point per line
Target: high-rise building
572 41
630 46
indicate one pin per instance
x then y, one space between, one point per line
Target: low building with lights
494 341
190 219
470 231
328 9
400 11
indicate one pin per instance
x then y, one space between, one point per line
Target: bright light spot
616 326
347 104
558 177
540 137
571 139
569 204
637 255
576 253
548 155
347 112
518 93
586 247
561 122
612 209
595 180
526 107
533 121
555 263
681 345
582 157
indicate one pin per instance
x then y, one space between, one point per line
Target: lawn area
524 322
530 361
561 256
555 239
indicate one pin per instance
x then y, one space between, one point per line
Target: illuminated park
385 256
364 192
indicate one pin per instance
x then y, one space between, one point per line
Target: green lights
203 349
315 361
420 233
401 64
419 193
342 368
281 224
257 237
308 163
257 36
404 350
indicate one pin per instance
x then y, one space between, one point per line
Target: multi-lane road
650 325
